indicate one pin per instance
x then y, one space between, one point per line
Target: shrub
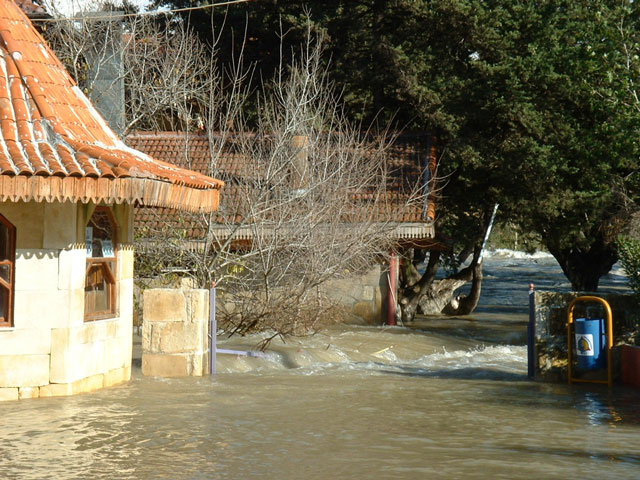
629 253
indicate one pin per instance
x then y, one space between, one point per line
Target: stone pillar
175 332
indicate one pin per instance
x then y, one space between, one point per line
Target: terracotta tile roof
190 150
407 158
54 145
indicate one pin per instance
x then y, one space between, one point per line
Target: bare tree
156 70
306 202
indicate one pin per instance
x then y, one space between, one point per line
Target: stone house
67 190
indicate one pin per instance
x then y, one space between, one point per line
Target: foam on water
379 350
507 253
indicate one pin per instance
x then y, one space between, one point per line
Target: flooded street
445 398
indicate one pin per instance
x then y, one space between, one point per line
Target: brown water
445 399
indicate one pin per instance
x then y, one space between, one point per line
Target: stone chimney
106 67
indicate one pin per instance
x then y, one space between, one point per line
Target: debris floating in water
390 347
241 353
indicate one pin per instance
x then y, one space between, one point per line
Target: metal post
393 284
213 328
531 334
488 232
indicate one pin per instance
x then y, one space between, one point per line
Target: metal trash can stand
582 343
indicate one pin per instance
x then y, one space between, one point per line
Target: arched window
7 271
100 292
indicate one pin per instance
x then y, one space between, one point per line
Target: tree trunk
436 299
413 292
439 299
464 305
432 297
583 267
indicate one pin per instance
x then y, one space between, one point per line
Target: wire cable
139 14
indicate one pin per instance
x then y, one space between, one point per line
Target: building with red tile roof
410 156
56 146
67 189
410 160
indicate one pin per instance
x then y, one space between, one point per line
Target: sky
72 7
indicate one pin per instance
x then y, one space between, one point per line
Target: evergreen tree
532 104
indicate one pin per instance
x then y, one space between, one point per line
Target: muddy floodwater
443 398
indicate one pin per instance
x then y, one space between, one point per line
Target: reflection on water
442 399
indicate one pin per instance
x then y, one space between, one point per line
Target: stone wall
363 297
551 329
175 329
50 350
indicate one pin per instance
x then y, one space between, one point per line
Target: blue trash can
591 343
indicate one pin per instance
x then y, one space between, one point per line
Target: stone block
171 337
71 360
187 283
116 354
365 311
72 265
125 327
117 376
377 302
204 334
31 341
367 293
90 332
228 307
113 328
28 392
88 384
76 307
125 264
60 340
205 363
126 299
24 370
8 394
162 365
147 338
164 305
177 337
198 305
41 308
56 390
62 366
37 270
28 218
374 276
197 365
